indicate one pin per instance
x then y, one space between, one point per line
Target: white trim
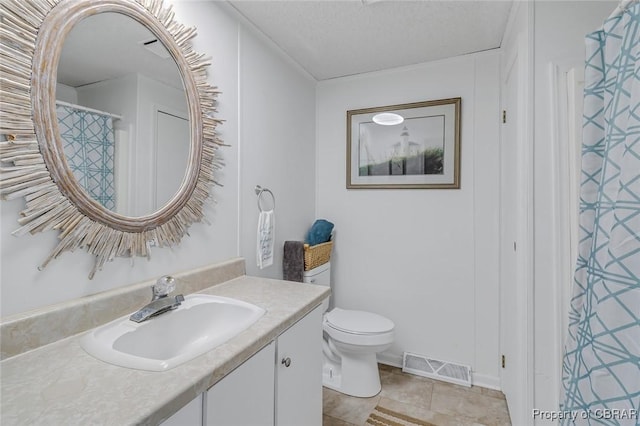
528 244
485 381
558 117
474 229
239 143
511 23
520 35
564 208
575 84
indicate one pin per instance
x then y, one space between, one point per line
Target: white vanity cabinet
244 396
299 373
189 415
259 393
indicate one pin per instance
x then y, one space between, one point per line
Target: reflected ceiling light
387 119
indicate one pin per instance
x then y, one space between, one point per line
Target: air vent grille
436 369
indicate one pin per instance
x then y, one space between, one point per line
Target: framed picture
410 146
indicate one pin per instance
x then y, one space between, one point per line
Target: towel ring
259 191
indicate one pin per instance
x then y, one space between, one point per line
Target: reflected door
172 135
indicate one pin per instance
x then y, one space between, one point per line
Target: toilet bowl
351 340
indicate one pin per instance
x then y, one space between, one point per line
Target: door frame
566 76
518 46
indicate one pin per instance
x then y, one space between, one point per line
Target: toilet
351 340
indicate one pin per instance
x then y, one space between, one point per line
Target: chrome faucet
160 302
163 287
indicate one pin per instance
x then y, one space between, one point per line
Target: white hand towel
266 238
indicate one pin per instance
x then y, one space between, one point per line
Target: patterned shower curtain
89 144
601 368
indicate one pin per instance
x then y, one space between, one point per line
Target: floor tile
430 400
457 401
384 367
332 421
347 408
406 388
425 414
490 392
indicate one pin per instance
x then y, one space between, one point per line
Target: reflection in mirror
35 166
122 114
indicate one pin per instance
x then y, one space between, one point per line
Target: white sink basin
201 323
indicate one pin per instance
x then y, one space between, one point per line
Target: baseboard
394 360
485 381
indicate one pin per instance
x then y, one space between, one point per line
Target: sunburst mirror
81 190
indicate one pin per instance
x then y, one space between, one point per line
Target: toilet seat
358 322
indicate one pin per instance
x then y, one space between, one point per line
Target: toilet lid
358 321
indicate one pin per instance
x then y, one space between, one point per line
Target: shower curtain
601 368
89 145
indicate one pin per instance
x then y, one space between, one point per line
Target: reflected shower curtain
88 142
601 368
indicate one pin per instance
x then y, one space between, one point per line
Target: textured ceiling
337 38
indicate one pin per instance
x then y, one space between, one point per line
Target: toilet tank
320 275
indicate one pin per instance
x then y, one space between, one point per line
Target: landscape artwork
415 147
404 146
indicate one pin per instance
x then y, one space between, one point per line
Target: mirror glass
122 114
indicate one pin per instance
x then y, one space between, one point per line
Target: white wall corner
485 381
390 358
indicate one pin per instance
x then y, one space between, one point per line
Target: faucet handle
164 286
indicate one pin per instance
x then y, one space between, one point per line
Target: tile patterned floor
434 401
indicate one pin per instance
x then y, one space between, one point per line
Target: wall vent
436 369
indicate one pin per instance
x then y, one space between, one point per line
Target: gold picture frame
406 146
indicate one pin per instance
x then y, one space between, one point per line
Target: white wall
427 259
25 288
277 127
560 28
66 93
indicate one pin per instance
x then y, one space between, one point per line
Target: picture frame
407 146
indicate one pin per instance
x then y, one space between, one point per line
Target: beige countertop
60 384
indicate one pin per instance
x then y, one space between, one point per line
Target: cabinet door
189 415
299 373
244 396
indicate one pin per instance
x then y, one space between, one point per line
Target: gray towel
293 261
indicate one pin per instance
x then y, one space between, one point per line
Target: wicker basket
317 255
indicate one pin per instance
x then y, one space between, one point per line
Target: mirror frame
33 162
